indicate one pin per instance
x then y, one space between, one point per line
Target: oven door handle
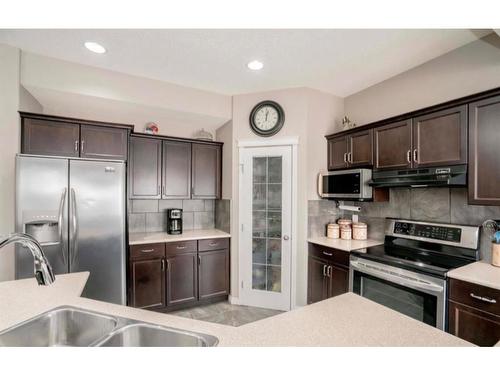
426 286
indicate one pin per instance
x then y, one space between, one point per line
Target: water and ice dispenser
43 226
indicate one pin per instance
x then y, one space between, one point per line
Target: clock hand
267 113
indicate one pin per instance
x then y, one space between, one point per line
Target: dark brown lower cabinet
328 273
214 273
147 283
474 313
182 278
178 274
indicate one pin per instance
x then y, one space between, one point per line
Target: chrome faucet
43 270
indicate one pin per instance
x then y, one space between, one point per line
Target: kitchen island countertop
346 320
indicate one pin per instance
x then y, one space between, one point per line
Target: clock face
267 118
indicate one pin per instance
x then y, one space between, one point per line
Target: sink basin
64 326
72 326
152 335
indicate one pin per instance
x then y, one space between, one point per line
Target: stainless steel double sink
72 326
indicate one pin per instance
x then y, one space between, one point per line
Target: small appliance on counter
174 221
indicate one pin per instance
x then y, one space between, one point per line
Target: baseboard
234 300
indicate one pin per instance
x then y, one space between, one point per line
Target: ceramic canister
359 231
495 254
333 230
345 232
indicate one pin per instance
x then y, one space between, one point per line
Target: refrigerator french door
76 209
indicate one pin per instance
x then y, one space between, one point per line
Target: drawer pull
484 299
147 250
212 243
181 247
328 254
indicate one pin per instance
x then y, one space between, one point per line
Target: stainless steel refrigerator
76 209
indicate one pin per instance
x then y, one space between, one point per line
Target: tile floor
225 313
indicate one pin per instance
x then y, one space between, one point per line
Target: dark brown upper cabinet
145 168
352 150
103 143
337 153
176 175
60 136
440 138
206 171
484 151
393 145
44 137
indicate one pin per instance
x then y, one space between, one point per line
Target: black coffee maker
174 221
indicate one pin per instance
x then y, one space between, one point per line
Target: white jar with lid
359 231
345 232
333 230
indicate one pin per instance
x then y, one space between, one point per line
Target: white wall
308 113
472 68
225 134
75 90
9 146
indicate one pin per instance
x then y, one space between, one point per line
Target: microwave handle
320 185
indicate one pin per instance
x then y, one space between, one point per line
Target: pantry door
265 206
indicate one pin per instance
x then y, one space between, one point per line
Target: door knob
286 238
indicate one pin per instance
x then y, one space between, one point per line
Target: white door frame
293 142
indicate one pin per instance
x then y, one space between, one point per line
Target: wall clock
267 118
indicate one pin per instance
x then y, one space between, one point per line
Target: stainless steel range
408 272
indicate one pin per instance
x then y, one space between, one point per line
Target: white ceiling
341 62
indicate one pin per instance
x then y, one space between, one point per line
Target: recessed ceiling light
95 47
255 65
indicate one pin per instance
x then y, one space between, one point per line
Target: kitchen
163 212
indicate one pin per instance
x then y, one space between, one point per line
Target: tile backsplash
149 215
447 205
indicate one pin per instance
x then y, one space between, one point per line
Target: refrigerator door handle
64 252
74 228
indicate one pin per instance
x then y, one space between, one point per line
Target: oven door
413 294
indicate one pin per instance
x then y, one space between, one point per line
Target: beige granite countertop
187 235
346 320
481 273
346 245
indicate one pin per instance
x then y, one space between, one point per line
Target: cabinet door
484 152
440 138
473 325
145 168
360 149
206 171
339 281
176 170
213 273
393 145
317 282
43 137
147 283
182 278
101 142
337 153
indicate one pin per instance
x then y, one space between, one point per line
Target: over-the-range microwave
345 184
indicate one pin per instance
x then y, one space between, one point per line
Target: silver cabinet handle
324 269
345 157
329 271
82 146
349 157
328 254
212 244
484 299
415 154
181 247
76 146
60 224
163 264
147 250
74 229
408 156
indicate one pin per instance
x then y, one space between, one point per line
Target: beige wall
472 68
225 134
9 146
309 115
28 102
75 90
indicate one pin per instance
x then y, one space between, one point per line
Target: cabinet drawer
181 247
338 257
213 244
477 296
152 250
